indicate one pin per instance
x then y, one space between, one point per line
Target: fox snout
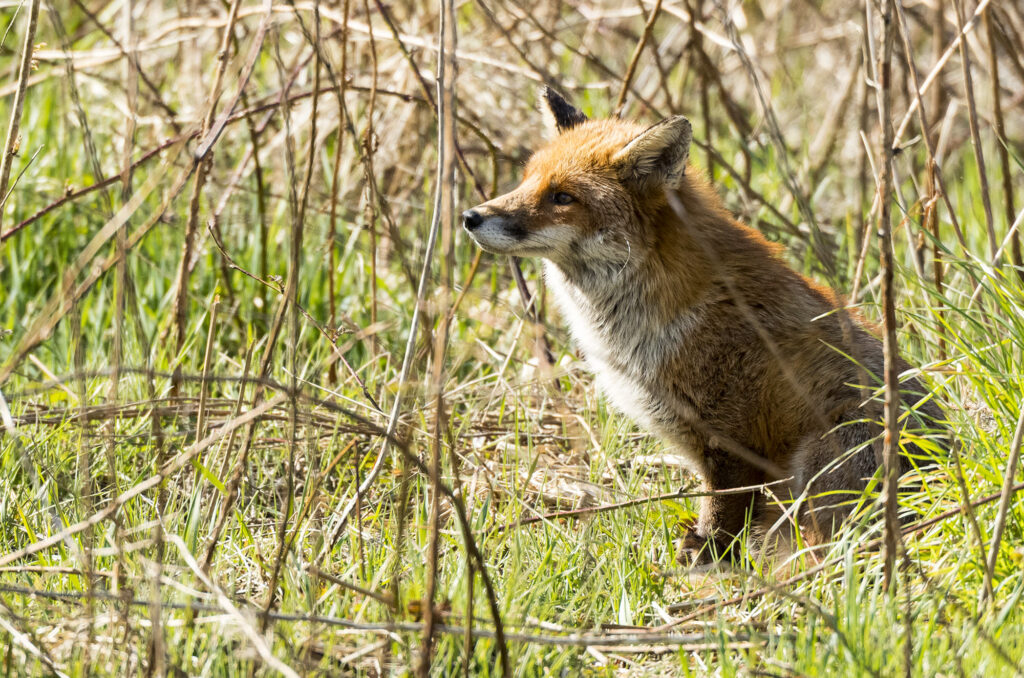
471 219
494 230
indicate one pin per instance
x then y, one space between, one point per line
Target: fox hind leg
832 470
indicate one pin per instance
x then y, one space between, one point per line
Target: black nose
471 219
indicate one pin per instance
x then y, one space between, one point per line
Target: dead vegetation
265 410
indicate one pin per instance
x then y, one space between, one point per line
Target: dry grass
233 291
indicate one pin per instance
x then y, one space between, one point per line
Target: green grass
512 447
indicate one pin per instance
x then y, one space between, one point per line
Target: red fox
696 329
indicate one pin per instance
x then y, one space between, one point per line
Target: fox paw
695 549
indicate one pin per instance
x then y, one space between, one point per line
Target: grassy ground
200 357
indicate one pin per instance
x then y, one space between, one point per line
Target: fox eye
561 198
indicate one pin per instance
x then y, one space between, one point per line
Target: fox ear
559 113
659 153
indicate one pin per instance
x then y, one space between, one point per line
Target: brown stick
1004 503
192 225
931 215
890 453
10 146
972 118
445 212
333 223
635 59
668 496
1002 142
936 184
131 87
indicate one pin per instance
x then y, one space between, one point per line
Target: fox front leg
722 517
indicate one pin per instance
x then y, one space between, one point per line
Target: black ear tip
552 95
566 116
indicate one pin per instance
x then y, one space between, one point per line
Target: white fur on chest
628 364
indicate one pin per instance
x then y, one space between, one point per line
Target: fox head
590 194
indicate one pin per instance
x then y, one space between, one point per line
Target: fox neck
660 276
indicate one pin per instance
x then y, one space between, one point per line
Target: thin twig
203 165
403 375
1004 503
24 68
1002 144
972 118
823 250
445 179
890 453
332 304
635 59
668 496
933 75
